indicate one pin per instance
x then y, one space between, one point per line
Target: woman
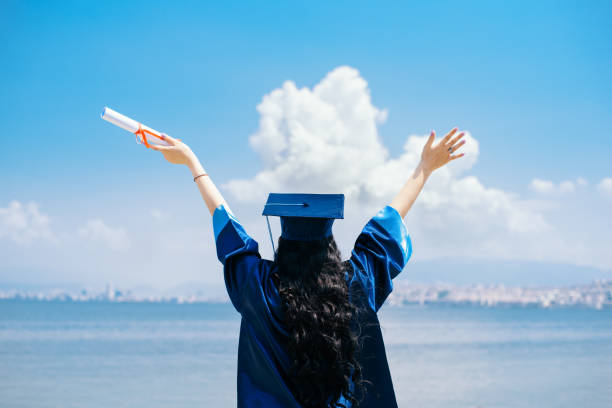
309 335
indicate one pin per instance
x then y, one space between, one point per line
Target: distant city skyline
596 295
317 97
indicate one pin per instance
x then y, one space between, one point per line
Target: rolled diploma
128 124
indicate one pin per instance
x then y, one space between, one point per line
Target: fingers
457 146
456 139
160 148
449 134
169 139
431 138
456 156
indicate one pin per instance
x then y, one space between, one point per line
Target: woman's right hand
176 152
434 157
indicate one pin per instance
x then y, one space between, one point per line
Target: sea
139 354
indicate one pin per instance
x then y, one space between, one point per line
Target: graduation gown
381 251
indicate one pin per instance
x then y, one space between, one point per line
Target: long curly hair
319 316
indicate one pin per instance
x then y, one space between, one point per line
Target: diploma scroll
144 134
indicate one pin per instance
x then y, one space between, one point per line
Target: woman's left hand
177 152
434 157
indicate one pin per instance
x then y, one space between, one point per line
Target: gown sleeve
381 251
238 252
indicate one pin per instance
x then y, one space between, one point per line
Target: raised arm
432 158
179 153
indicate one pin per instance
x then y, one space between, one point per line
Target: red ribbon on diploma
141 135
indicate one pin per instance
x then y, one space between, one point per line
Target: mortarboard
304 217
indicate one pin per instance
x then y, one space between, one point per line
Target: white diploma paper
130 125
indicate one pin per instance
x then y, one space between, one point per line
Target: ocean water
98 354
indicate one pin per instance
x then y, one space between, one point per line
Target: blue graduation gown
381 251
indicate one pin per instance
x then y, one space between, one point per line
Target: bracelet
199 175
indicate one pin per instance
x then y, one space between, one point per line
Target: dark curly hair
322 346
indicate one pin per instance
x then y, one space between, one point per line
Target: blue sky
529 81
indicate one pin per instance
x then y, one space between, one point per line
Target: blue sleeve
381 251
238 252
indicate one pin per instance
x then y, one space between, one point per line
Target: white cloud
582 182
24 223
96 230
605 187
566 187
326 140
143 251
306 136
548 187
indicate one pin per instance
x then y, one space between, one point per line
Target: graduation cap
304 217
